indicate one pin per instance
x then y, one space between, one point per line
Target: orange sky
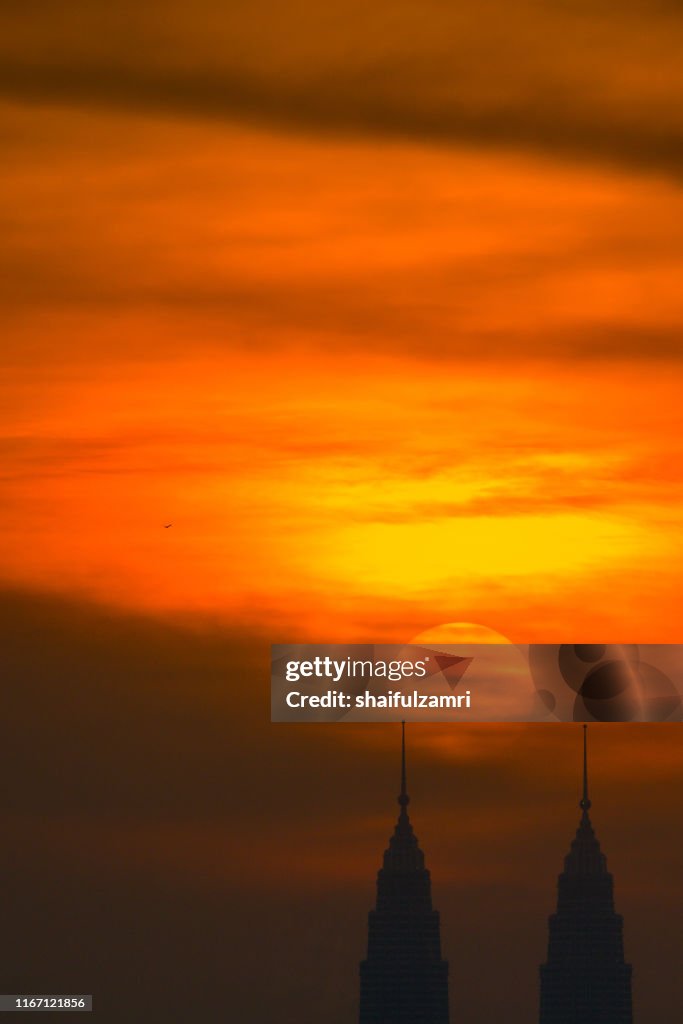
375 385
380 306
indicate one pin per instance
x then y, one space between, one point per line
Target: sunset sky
380 306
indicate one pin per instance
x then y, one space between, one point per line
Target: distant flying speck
167 525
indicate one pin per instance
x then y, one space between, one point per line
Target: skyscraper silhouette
585 979
403 980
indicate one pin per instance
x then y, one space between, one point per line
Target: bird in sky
167 525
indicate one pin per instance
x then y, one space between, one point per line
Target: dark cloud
599 81
395 313
169 850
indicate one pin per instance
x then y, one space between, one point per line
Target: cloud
598 81
246 241
155 817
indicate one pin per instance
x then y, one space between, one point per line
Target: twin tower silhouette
404 979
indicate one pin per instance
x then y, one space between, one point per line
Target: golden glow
366 406
459 632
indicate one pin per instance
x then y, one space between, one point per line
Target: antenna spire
585 802
403 799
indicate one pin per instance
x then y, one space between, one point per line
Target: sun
460 633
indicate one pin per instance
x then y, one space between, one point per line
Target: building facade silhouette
403 979
585 979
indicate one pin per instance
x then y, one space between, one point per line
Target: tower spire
403 799
403 978
585 803
585 977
